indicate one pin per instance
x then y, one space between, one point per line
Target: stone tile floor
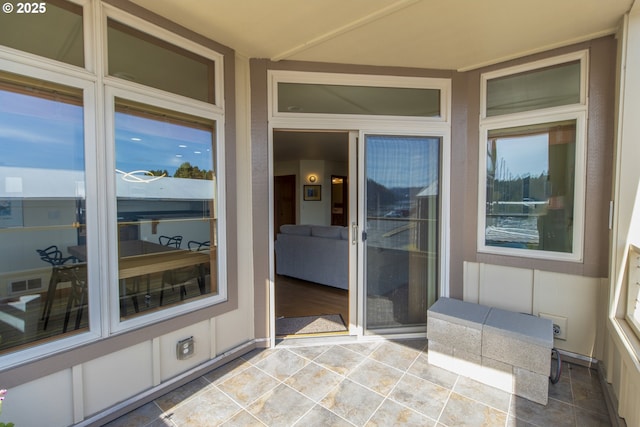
363 384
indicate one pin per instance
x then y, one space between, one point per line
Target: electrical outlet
559 325
185 348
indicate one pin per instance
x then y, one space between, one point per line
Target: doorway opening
339 200
312 246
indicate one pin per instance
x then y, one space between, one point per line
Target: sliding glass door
400 229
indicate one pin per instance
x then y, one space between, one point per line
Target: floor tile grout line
447 400
283 382
479 401
186 400
346 377
242 405
208 384
405 372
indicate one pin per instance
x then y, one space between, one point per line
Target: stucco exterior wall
600 142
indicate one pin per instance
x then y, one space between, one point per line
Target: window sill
626 338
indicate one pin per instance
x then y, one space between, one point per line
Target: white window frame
368 124
577 112
55 72
169 37
632 310
99 91
119 88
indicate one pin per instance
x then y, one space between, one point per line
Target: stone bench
507 350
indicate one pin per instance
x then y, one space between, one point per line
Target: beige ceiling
442 34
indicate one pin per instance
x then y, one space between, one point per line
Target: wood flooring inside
296 297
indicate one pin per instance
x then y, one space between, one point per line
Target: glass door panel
402 199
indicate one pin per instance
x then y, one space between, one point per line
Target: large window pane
54 32
530 187
533 90
165 185
43 288
141 58
401 255
368 100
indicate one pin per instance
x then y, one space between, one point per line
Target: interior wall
315 212
52 219
312 212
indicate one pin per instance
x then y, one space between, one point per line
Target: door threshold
316 335
316 339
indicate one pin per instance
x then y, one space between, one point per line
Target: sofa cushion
344 233
299 230
326 231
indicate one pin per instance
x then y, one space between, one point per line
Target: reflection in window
362 100
141 58
42 194
165 186
535 89
530 187
402 202
55 33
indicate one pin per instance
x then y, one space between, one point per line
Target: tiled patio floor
364 384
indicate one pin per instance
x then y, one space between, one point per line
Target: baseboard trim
147 396
610 398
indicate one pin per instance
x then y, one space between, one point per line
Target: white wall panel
573 297
170 366
528 291
471 277
508 288
117 376
45 402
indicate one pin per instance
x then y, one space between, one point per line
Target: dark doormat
310 324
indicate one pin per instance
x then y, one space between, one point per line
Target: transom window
54 32
141 58
323 95
361 100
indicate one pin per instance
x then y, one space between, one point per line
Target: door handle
354 233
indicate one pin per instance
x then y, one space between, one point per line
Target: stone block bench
507 350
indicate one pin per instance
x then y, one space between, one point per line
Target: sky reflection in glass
41 133
147 144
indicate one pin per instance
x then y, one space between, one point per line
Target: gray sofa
317 253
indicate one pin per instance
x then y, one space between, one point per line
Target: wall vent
24 286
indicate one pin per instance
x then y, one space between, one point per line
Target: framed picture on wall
312 192
10 213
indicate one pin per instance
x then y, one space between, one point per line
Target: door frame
358 126
443 247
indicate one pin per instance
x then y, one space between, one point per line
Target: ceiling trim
545 48
381 13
